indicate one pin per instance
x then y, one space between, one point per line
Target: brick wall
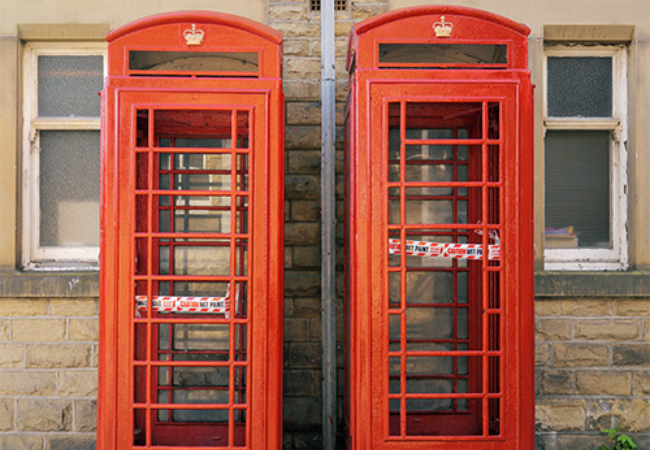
593 371
48 374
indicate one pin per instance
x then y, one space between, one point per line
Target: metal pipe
328 222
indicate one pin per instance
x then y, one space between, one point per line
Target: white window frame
35 256
597 259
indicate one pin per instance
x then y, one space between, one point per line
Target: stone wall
48 374
303 350
593 366
593 371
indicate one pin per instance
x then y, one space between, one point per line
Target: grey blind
579 86
69 188
68 86
577 184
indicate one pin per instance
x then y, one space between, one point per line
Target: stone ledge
17 284
592 284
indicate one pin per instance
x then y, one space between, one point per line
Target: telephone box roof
203 17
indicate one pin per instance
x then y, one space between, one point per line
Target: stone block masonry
593 371
303 349
302 339
48 373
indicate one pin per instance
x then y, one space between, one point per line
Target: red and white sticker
214 305
444 250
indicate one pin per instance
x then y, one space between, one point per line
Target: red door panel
438 353
192 272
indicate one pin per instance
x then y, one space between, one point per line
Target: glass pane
142 124
242 129
197 220
242 215
194 61
191 256
422 210
199 377
394 289
194 128
196 201
69 188
195 171
427 386
69 85
188 338
242 172
443 121
577 167
201 260
198 415
393 205
494 407
429 323
579 86
429 171
189 142
394 332
455 54
195 289
429 287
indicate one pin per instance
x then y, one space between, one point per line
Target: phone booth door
440 356
192 290
439 258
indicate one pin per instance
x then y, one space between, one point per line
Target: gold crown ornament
193 36
443 28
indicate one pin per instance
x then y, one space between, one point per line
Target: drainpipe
328 222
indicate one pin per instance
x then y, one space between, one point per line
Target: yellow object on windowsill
561 238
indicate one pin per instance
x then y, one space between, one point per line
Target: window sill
592 284
17 284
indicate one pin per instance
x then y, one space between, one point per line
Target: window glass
194 61
579 86
454 54
68 86
577 189
69 188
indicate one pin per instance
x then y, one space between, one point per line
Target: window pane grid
191 212
61 229
582 208
430 375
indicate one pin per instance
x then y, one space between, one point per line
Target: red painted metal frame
372 88
125 161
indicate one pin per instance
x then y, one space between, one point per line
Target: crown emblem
442 28
193 36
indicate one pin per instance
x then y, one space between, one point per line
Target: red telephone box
192 237
439 233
